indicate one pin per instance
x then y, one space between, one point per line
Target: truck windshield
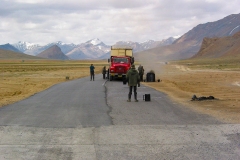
120 60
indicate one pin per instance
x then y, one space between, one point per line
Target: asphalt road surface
83 119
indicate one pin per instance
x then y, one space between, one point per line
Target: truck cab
120 61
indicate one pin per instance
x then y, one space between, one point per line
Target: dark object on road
195 98
147 97
150 77
159 80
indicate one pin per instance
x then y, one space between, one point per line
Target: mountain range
92 49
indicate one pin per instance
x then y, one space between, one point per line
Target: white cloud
73 21
30 1
30 25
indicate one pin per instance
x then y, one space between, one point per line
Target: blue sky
77 21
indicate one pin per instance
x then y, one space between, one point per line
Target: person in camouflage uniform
133 80
104 71
141 72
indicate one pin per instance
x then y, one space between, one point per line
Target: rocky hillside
54 52
189 44
228 46
9 47
221 28
6 54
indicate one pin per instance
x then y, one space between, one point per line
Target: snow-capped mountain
24 46
34 49
95 41
91 49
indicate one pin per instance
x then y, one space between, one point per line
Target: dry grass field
219 78
180 80
20 79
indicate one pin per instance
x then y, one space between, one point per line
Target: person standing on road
141 72
104 72
92 72
133 80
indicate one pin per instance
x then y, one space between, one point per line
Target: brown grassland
216 77
180 80
20 79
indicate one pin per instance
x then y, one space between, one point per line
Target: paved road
160 111
82 119
77 103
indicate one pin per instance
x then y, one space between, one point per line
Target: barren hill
54 52
224 27
189 43
9 47
220 47
6 54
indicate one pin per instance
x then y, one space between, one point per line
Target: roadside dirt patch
236 83
181 84
182 68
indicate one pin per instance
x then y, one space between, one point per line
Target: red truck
120 61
